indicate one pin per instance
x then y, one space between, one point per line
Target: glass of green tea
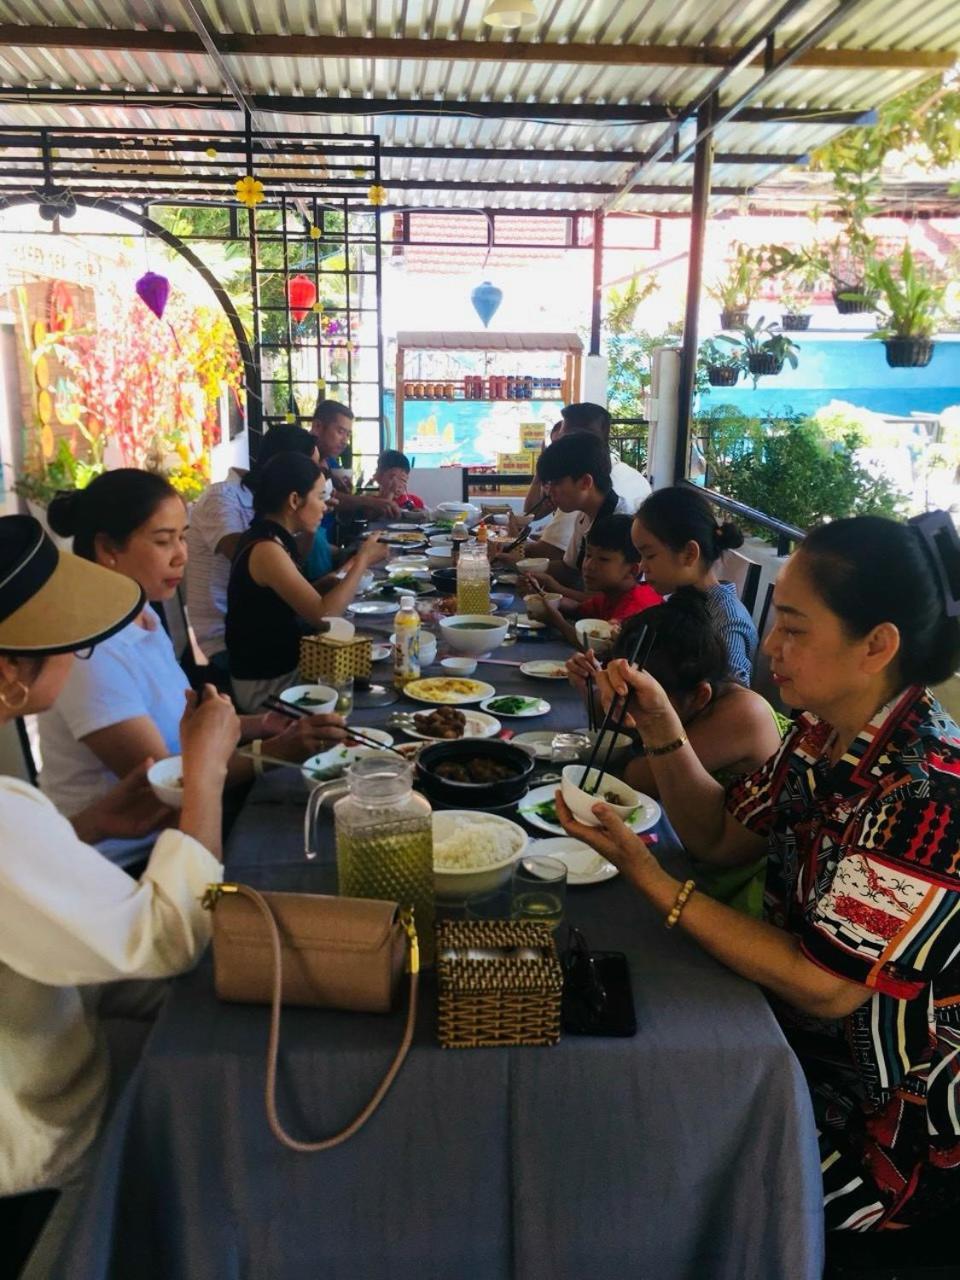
539 890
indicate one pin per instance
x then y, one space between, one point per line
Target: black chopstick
526 529
298 713
638 656
591 709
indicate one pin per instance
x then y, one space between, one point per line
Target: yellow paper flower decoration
249 191
47 442
317 308
211 152
314 231
377 195
290 417
359 171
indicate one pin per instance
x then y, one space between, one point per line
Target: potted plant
800 273
909 303
764 348
722 365
739 287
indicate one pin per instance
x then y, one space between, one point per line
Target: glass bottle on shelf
473 579
384 837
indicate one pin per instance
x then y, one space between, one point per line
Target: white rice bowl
473 852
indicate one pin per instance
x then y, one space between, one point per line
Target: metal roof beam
543 154
763 40
384 47
556 111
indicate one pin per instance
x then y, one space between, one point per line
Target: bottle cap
408 602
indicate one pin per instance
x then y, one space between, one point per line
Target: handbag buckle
410 929
212 894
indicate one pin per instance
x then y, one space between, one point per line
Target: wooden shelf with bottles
556 356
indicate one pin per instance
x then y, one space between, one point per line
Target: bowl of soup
473 632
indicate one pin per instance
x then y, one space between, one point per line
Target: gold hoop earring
23 696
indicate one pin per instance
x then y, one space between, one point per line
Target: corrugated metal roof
514 182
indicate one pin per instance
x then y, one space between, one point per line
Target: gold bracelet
675 745
685 892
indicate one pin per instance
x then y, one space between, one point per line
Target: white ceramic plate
537 706
332 762
479 725
440 690
646 815
529 624
409 563
510 579
400 569
378 652
544 669
407 538
584 865
373 608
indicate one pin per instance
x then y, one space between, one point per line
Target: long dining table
687 1152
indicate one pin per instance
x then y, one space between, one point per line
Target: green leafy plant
788 468
763 348
713 356
63 471
743 280
909 301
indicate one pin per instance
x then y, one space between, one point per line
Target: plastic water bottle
406 656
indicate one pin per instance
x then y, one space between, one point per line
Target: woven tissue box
500 984
323 659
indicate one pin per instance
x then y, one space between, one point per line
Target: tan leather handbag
308 949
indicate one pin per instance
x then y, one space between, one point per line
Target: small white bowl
166 778
459 510
322 698
428 647
581 804
537 564
459 666
487 633
595 634
537 605
440 557
460 883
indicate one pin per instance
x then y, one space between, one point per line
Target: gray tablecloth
685 1153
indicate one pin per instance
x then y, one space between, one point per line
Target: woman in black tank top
270 603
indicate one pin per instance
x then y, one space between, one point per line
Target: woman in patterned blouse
858 814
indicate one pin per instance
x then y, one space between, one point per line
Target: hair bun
729 536
63 514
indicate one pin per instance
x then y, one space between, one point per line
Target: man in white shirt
575 472
633 488
217 520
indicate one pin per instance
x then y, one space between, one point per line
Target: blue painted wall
849 369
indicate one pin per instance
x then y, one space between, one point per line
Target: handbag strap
273 1045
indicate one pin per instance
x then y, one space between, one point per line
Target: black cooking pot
444 580
474 795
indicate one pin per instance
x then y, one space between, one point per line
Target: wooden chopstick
634 657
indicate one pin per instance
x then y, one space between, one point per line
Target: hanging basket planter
733 317
909 353
720 375
763 362
858 306
795 321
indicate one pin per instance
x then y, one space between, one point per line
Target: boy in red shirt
611 590
393 472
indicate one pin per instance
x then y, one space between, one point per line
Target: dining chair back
744 573
761 679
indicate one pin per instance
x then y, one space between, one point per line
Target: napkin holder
324 660
500 983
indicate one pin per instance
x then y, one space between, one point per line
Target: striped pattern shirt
737 629
864 870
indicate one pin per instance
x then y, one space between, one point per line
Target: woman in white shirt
124 704
69 920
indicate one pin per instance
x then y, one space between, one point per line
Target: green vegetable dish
512 706
308 700
547 810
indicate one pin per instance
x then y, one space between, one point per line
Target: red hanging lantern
301 294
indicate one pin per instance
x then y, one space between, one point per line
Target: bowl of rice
473 852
